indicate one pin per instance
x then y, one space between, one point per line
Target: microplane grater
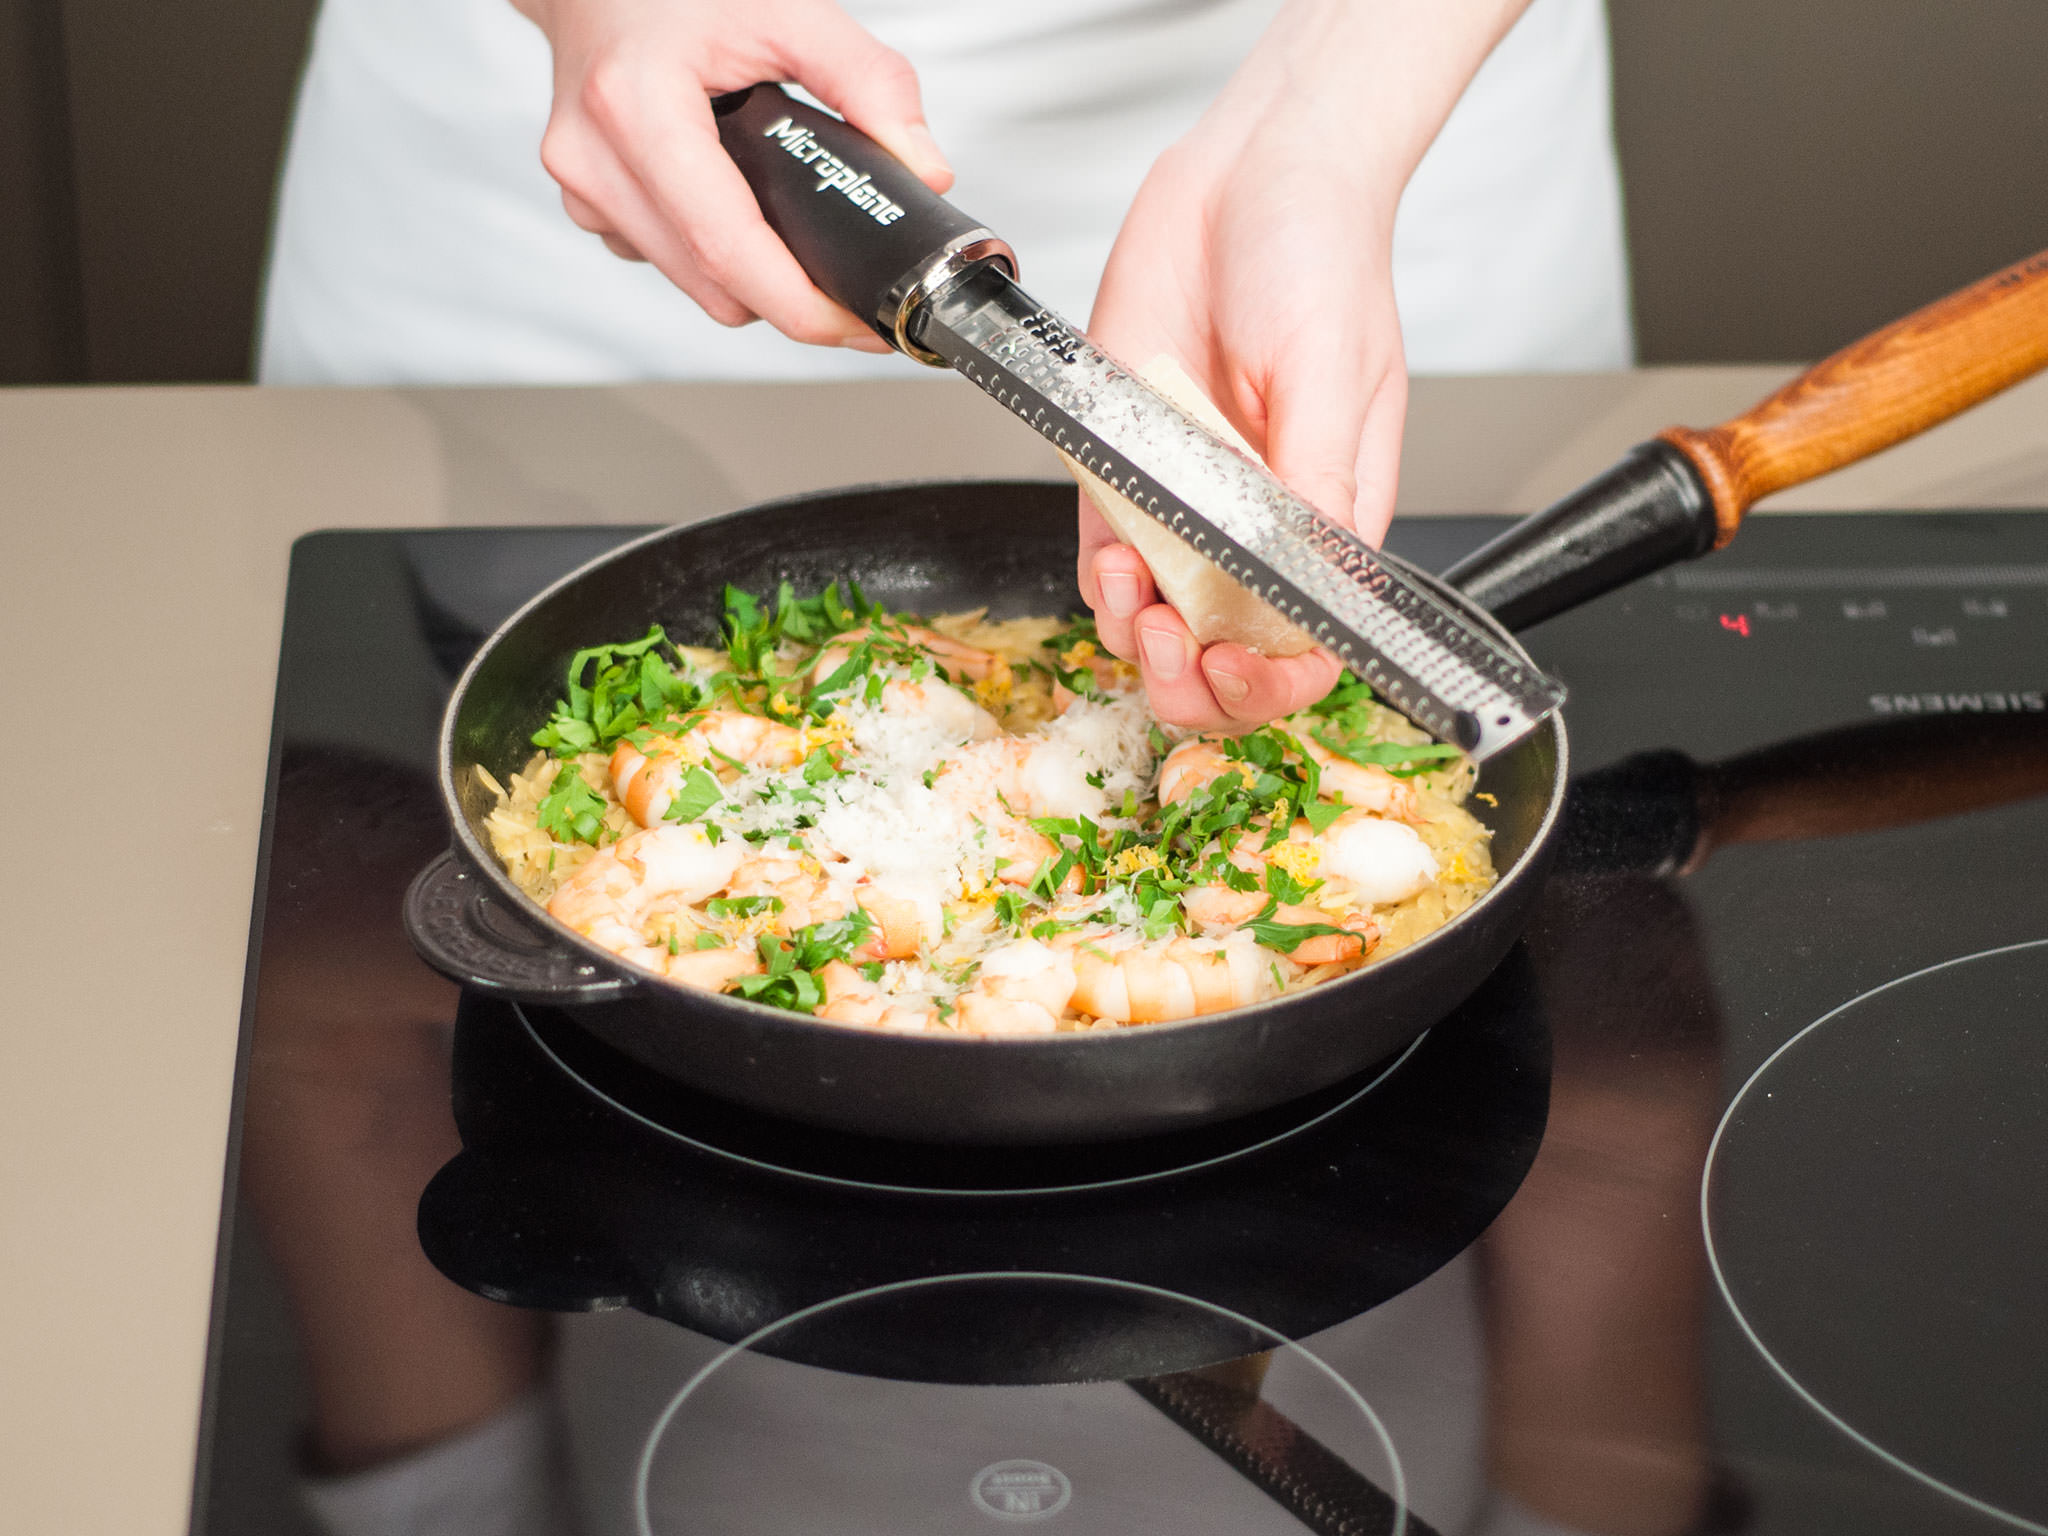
1432 664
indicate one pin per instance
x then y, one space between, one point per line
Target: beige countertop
143 546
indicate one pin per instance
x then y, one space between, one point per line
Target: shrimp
935 699
903 924
1180 979
1110 674
1029 970
1017 851
1219 909
646 778
1021 988
1191 764
1375 861
943 705
980 1014
1365 786
1216 908
628 943
797 880
953 656
645 785
711 970
1201 759
850 998
625 880
1027 775
1002 784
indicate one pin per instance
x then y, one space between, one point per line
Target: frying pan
929 548
1009 545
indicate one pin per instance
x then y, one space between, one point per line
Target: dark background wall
1798 171
137 189
42 318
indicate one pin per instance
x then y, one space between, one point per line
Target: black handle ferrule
1649 511
860 224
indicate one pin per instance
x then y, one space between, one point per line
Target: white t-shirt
418 239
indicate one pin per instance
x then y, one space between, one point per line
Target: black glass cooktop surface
1718 1207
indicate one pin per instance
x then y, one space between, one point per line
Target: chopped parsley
1285 887
1072 649
725 908
1287 937
571 810
1133 865
754 627
1346 718
614 690
698 792
791 978
1009 910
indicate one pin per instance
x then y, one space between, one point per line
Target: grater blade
1421 657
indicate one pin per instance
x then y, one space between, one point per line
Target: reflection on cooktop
1273 1442
585 1181
1785 794
1874 1205
763 1143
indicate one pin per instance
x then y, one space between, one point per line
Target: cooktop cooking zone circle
1087 1442
570 1198
1873 1203
765 1144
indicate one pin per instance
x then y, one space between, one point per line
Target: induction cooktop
1718 1207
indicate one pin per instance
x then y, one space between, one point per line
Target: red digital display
1739 622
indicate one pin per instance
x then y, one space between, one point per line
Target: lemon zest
1298 859
1131 860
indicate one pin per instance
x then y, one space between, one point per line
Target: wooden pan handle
1893 383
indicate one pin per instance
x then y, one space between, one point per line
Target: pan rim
599 963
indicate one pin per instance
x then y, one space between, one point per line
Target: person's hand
634 146
1266 274
1258 253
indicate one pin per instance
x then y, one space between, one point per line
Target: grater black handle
859 222
1686 491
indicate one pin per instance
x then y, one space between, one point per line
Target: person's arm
632 141
1259 254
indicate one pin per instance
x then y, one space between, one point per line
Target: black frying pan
924 548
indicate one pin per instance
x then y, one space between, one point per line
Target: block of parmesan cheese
1215 607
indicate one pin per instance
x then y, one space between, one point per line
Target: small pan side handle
468 937
1913 374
